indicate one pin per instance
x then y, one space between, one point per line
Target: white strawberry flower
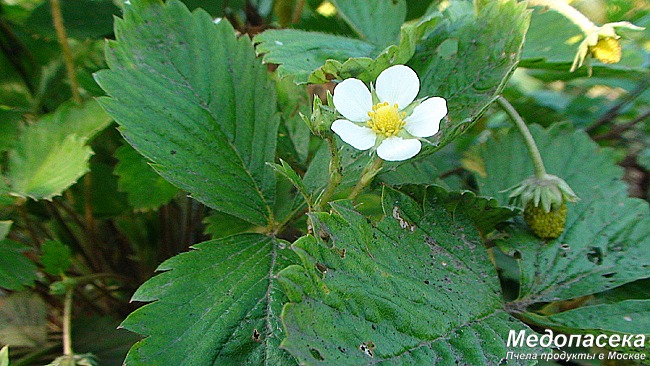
394 124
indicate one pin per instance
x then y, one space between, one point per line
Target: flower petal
353 100
398 149
425 119
398 84
361 138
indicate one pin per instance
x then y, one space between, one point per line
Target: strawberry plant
307 182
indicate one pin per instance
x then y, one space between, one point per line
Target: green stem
538 163
57 18
571 13
67 322
367 176
335 171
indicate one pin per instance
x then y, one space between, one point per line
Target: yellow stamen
607 50
386 119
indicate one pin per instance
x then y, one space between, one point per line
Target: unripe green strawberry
546 225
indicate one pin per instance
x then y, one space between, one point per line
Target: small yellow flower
602 44
607 50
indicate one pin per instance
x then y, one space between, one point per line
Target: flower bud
322 116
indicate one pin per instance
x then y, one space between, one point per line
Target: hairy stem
67 322
367 176
538 163
335 171
65 47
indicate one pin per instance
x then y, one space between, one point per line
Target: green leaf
318 57
294 135
56 257
299 53
145 189
286 171
85 121
637 290
219 225
52 154
23 320
484 212
202 111
628 317
413 172
416 288
375 21
41 168
16 270
468 59
607 234
217 305
426 170
369 68
4 356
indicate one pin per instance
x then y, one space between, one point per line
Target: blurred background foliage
112 227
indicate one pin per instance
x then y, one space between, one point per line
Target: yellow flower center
607 50
386 119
